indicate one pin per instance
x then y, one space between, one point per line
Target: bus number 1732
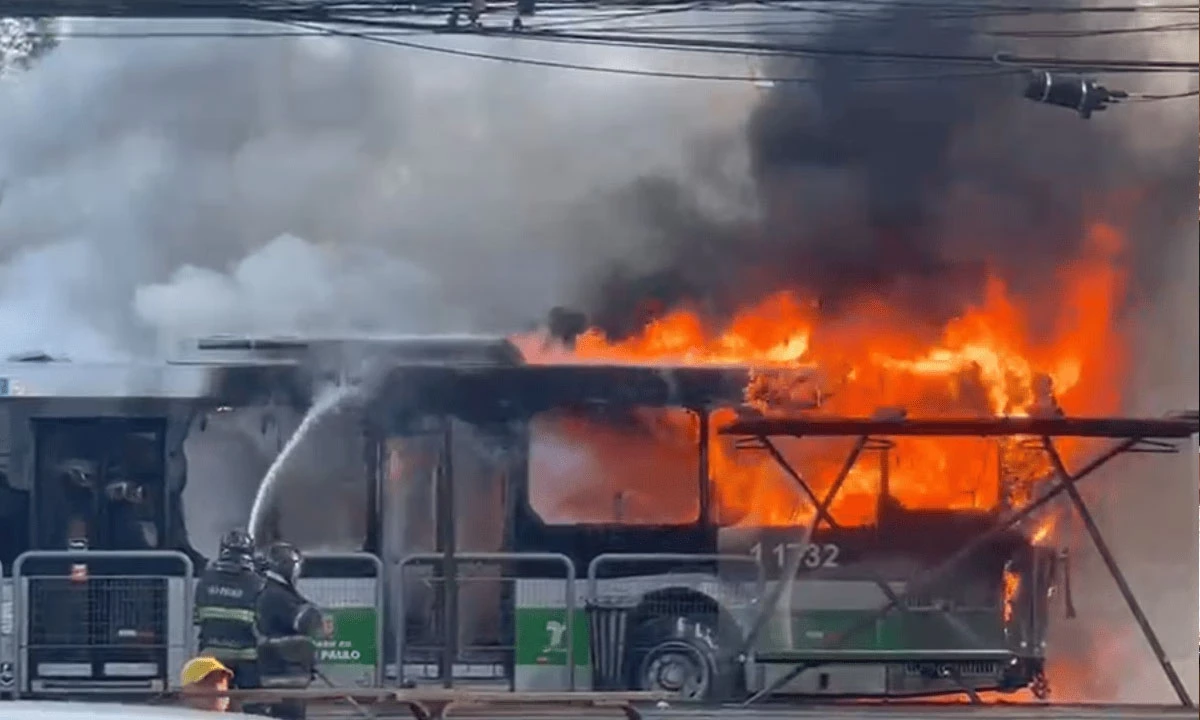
812 555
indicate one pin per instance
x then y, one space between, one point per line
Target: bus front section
980 628
704 574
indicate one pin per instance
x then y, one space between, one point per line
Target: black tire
682 656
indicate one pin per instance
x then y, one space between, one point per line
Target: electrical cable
647 41
802 50
618 17
1035 9
664 74
1114 65
1079 34
321 11
1150 97
788 29
385 31
214 34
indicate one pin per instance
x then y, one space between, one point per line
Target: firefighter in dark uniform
288 625
226 609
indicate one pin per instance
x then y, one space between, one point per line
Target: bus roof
1181 426
401 349
475 374
521 391
233 370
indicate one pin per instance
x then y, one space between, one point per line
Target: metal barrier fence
673 586
513 621
8 668
101 620
350 590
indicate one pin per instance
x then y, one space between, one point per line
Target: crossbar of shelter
1095 427
1131 434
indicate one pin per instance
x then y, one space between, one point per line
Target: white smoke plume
311 297
152 190
315 184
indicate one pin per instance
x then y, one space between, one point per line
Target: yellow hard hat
199 668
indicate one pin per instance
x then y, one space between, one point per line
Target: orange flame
1012 583
1043 533
1001 357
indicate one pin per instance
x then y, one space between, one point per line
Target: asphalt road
827 712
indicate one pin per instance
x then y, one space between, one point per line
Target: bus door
100 624
445 485
409 465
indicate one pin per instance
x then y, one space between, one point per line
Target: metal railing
352 603
677 559
117 611
487 635
8 620
698 591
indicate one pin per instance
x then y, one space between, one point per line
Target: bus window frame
702 478
111 427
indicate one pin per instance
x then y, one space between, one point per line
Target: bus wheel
678 656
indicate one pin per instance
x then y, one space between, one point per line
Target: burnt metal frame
1132 435
788 574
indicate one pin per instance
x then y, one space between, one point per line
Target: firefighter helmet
238 547
285 560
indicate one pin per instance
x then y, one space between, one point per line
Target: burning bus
545 525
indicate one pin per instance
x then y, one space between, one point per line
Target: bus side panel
541 639
541 657
348 656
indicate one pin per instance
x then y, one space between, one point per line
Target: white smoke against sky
292 184
310 297
44 282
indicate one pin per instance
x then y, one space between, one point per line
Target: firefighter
288 625
226 606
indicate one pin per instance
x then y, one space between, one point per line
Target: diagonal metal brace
1114 569
823 513
788 573
932 575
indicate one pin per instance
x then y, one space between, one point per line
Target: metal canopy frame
1130 434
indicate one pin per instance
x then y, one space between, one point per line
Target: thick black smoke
869 181
913 191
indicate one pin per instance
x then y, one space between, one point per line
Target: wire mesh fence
101 621
506 617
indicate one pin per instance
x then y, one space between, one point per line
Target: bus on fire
617 476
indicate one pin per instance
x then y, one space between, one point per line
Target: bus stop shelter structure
1128 435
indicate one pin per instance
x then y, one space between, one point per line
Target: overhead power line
649 40
786 28
1191 27
1150 97
387 32
286 10
665 74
